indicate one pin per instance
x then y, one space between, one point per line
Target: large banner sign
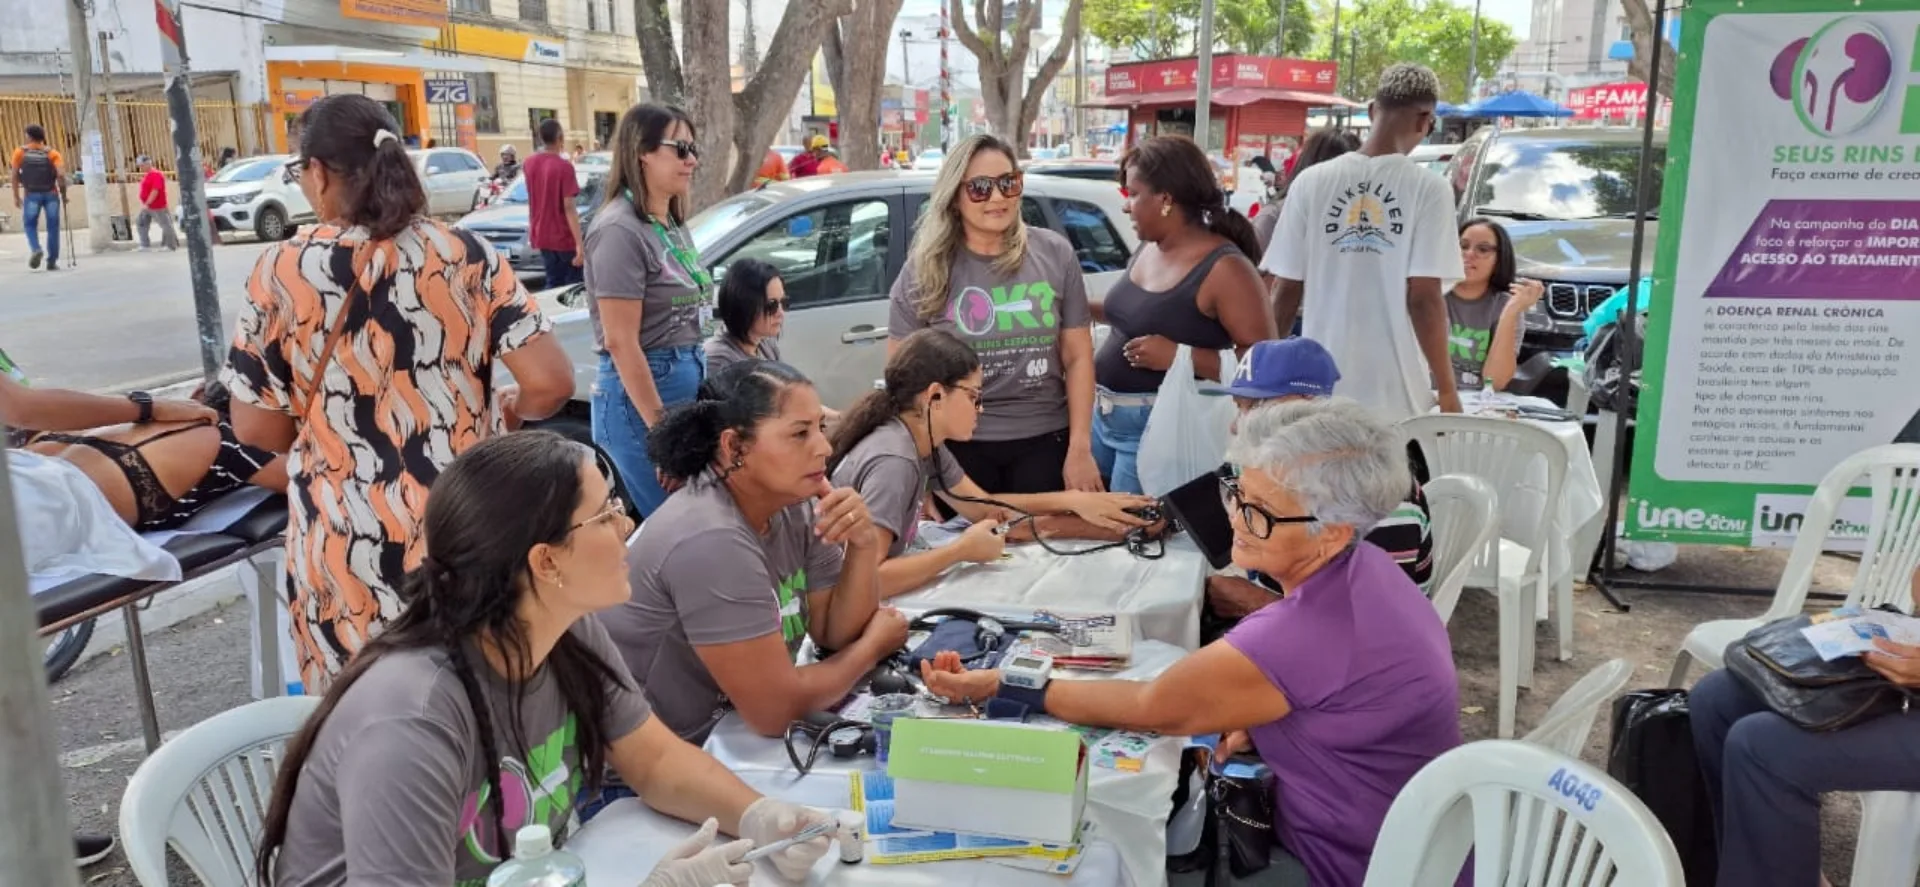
1786 304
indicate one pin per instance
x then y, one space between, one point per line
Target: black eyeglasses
682 149
774 306
979 188
290 172
1231 497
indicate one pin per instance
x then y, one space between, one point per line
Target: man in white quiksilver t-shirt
1367 241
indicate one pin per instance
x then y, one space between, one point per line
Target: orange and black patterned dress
407 389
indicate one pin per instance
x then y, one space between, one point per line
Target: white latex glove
771 819
698 862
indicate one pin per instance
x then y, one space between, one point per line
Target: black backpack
37 173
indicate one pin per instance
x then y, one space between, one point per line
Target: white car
839 243
450 176
1433 157
930 160
253 194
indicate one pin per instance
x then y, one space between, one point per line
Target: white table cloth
1162 596
1581 500
1129 809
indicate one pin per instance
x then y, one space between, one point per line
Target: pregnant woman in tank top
1193 282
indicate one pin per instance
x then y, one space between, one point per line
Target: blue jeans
1764 777
1116 440
622 434
31 209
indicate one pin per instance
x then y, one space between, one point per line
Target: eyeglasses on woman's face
616 509
1259 521
973 394
979 188
682 149
774 306
292 170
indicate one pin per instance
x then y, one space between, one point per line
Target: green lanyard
688 260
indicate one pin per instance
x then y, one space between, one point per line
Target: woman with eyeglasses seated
1345 687
753 553
495 700
892 447
1487 309
1017 294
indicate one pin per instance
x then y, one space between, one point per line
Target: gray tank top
1133 311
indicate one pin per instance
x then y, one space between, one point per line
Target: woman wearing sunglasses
752 311
1018 296
893 449
650 297
1487 309
1192 283
1345 687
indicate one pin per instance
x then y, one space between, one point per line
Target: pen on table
818 829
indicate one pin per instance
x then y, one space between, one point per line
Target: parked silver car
450 176
839 243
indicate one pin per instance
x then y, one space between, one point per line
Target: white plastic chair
205 793
1887 565
1888 853
1529 815
1503 453
1570 721
1466 521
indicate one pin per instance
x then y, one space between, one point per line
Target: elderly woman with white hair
1345 687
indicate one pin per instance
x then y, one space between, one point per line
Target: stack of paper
1850 631
872 797
1100 641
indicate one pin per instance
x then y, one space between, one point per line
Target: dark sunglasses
774 306
1231 497
681 149
979 188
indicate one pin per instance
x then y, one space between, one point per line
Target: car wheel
272 224
65 649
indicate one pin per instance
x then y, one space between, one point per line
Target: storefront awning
354 55
1230 97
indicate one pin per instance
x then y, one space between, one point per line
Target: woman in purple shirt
1345 686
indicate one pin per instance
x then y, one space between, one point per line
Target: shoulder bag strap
302 407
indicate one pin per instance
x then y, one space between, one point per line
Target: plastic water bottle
536 864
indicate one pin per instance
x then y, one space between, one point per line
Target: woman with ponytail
496 701
753 553
366 351
1192 283
892 448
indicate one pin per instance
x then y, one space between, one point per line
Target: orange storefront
292 86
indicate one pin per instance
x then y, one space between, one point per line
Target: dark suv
1566 197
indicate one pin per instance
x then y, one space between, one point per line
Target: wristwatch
144 401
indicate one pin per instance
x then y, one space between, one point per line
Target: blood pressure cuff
963 636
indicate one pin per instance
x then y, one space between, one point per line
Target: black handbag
1777 662
1243 816
1652 755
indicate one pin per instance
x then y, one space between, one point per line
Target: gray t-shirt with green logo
1470 327
627 259
394 790
1014 323
702 577
885 466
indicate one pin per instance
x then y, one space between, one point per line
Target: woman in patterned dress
416 313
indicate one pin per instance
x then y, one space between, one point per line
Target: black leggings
1027 465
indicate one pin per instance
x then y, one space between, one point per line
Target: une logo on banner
1777 519
1838 78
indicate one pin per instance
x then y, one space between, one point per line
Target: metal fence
144 127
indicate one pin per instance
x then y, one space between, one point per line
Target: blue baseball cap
1284 368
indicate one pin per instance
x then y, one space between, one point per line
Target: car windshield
1556 180
708 225
247 170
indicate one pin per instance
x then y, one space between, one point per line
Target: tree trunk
659 60
1640 23
709 96
862 74
1013 102
764 103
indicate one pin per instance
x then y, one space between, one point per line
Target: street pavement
119 320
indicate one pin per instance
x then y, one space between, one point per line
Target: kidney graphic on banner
1787 284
